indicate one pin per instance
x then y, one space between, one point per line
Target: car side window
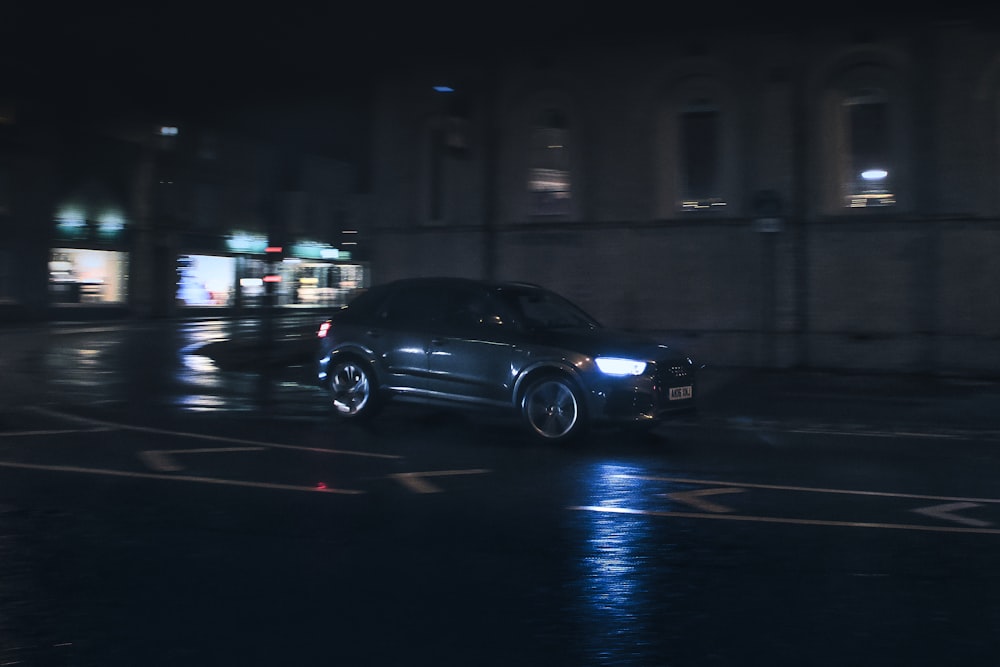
466 308
409 306
447 307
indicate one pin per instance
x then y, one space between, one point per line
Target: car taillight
323 329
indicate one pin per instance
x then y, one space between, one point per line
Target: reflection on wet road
615 560
144 365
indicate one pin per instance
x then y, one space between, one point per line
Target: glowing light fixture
110 223
444 89
874 174
70 216
246 242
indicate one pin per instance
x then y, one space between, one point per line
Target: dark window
437 171
5 190
413 305
467 307
699 148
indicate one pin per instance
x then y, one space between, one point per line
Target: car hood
611 342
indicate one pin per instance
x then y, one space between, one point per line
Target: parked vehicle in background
520 346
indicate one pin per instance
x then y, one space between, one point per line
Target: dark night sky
167 54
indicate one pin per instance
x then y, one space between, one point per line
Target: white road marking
181 478
417 482
214 438
65 431
161 461
696 500
811 489
771 519
851 430
945 512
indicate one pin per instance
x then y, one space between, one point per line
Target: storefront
89 264
305 274
206 280
85 276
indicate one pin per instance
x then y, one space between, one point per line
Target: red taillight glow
323 329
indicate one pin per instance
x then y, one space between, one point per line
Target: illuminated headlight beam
620 366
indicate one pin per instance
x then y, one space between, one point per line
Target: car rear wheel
552 408
352 389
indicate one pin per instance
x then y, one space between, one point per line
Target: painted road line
855 430
696 498
212 438
162 461
65 431
179 478
812 489
946 512
417 481
779 520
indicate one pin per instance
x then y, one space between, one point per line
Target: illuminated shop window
549 184
205 280
699 157
866 124
322 283
79 276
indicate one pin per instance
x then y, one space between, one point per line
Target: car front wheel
552 408
352 390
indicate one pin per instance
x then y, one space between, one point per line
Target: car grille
678 371
672 374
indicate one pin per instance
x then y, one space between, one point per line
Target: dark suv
511 345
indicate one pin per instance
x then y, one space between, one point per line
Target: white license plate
678 393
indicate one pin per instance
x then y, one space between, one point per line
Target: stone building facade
819 196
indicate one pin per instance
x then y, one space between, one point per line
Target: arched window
699 160
863 135
549 182
869 166
697 147
987 126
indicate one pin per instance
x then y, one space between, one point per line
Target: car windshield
541 309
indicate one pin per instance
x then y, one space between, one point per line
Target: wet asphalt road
156 509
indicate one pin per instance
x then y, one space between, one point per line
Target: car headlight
620 366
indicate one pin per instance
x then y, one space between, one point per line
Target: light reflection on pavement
145 366
616 562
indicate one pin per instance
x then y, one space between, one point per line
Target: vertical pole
489 133
797 215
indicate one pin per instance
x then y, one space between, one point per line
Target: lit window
870 177
549 173
87 276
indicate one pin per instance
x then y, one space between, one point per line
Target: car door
471 348
401 336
